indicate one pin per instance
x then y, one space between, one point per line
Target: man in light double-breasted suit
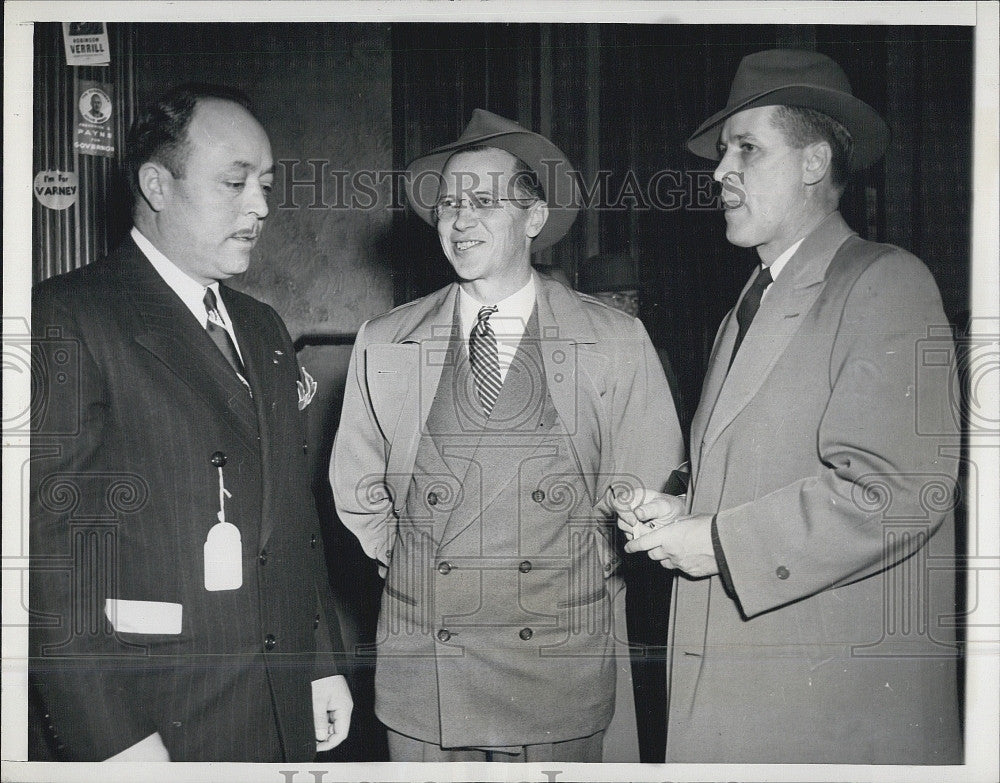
816 622
180 603
485 429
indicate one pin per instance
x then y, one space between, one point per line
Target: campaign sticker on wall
94 130
56 189
86 43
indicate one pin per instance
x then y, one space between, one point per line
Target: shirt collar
779 263
512 313
190 291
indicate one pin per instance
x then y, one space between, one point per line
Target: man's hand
685 544
332 707
647 510
149 749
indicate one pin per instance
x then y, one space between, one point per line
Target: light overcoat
615 415
828 453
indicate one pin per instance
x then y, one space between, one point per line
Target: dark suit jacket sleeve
88 720
828 529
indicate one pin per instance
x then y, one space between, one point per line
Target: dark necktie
749 307
219 333
485 359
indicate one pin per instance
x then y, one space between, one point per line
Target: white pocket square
143 616
306 388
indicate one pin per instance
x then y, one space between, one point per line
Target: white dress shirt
191 292
508 322
779 263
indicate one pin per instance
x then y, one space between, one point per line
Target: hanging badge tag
223 557
223 549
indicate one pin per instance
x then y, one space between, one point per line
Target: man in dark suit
179 596
815 622
486 430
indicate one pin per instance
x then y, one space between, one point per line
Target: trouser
582 749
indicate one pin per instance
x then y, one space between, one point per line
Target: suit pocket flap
143 616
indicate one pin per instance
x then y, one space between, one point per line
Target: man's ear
816 160
154 184
538 214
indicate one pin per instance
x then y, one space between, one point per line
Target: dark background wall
341 99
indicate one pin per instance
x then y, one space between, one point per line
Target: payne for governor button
56 189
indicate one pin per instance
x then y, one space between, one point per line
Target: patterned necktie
749 307
219 333
485 359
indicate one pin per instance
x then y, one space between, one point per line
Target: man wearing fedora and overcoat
486 430
815 622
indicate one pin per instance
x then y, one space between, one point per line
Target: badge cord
223 549
223 494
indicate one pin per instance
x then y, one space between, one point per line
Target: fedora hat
793 77
423 175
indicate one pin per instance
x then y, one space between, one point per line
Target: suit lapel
511 435
571 365
781 314
402 379
258 364
560 340
168 330
723 347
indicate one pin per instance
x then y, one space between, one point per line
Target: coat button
305 447
525 634
432 498
219 459
443 635
444 568
524 566
262 557
538 496
782 572
270 642
312 541
316 622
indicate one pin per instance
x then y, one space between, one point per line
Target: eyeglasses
448 208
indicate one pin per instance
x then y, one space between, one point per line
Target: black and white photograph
451 391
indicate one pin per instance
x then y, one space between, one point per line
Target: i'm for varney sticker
56 189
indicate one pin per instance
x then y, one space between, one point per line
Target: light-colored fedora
554 171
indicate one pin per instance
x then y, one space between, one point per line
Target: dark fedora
792 77
423 175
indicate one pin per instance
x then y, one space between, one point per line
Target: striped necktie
219 333
485 359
